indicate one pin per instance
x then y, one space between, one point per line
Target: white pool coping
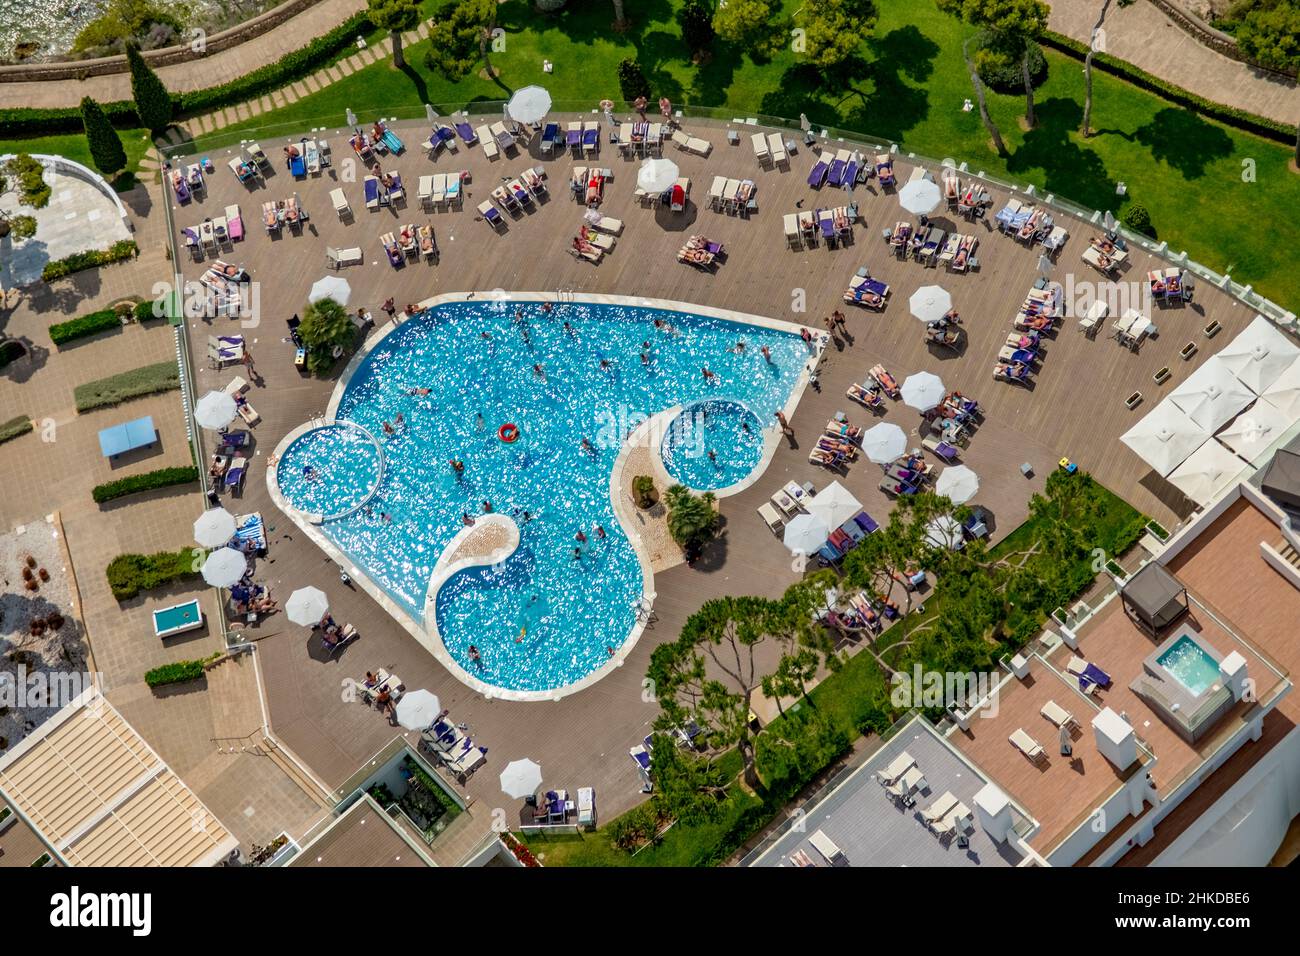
425 632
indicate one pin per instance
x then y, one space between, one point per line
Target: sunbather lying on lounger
869 395
821 456
837 446
843 430
1017 371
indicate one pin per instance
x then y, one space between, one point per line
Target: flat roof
100 795
872 831
361 836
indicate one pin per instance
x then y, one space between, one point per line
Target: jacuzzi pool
1189 664
712 445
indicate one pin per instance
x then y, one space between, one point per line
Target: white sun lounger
792 234
760 148
1057 714
941 807
700 147
827 848
897 767
771 517
607 224
715 191
912 781
343 257
340 203
1026 744
777 148
485 137
425 193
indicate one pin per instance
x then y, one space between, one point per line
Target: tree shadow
1184 141
1067 168
893 106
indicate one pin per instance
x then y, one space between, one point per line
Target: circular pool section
712 444
330 471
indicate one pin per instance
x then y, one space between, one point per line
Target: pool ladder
563 296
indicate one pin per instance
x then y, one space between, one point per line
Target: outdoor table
128 436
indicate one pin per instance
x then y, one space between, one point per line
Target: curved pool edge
662 421
429 639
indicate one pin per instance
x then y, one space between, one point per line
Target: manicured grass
73 146
908 87
147 380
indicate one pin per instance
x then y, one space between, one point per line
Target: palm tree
692 521
1097 40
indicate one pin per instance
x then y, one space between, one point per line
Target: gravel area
40 661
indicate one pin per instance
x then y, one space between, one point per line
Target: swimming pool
330 470
558 608
1189 664
712 444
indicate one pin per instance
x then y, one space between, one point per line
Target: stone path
1144 36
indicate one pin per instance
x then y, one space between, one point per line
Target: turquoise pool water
329 470
729 430
1190 665
543 618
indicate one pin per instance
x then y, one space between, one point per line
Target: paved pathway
1144 36
214 70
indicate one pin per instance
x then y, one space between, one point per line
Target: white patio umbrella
920 196
430 113
1259 354
657 175
529 104
1165 437
1284 392
330 287
805 534
307 606
834 505
224 567
521 778
1108 221
1212 396
958 484
884 442
930 302
214 528
1206 472
214 410
923 391
352 117
418 709
1255 429
944 532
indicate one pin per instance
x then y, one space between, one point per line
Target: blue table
127 436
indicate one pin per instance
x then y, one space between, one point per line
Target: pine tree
153 104
105 145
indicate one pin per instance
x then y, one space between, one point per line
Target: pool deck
1075 409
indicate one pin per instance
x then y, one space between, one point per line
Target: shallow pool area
1191 665
574 380
330 470
712 444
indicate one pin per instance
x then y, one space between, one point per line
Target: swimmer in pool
539 371
478 421
586 446
418 391
475 656
580 538
600 532
568 329
389 429
487 507
767 354
546 307
713 456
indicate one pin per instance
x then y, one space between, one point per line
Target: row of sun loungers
732 195
441 189
691 144
769 149
642 138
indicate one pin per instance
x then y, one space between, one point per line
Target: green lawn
73 146
908 86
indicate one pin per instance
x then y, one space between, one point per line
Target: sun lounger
771 517
271 215
395 192
681 189
454 193
573 136
792 234
1056 238
760 148
700 147
234 223
344 257
466 133
604 223
641 757
393 142
407 240
827 848
392 250
939 809
1089 675
885 169
506 199
870 397
242 168
485 138
591 137
257 156
503 137
885 380
425 192
897 767
777 148
1058 715
715 192
550 136
784 503
965 250
428 245
311 153
491 214
371 186
1027 745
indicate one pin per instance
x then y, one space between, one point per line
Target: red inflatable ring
508 432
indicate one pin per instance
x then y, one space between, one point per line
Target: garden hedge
129 574
118 251
147 380
149 480
14 427
1230 115
91 323
176 673
150 309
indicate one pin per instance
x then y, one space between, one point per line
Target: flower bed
147 380
92 259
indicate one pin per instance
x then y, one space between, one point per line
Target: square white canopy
1165 437
1259 426
1208 470
1259 354
1212 396
1284 391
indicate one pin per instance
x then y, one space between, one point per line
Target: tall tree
746 23
153 104
462 38
692 519
1012 24
689 788
1096 45
710 673
834 29
105 145
791 677
397 17
696 21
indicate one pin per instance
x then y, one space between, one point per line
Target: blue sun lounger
372 191
466 133
866 522
837 172
393 142
444 135
591 137
549 137
128 436
573 138
818 174
298 166
850 172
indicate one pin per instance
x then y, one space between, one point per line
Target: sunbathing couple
689 254
830 459
581 244
1012 370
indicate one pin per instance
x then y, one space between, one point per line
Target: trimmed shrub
1138 219
129 574
91 323
147 380
106 150
643 490
148 481
117 252
176 673
150 309
153 104
631 80
14 427
22 227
